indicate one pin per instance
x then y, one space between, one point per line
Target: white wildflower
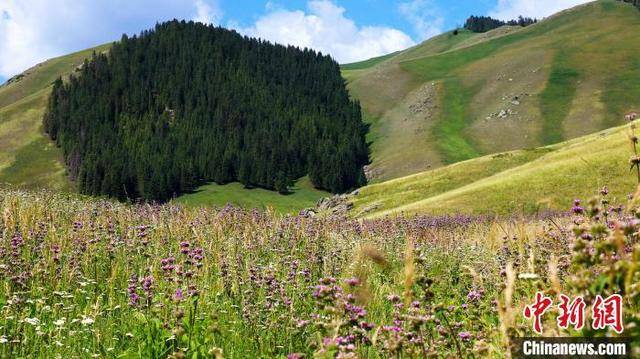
528 276
87 321
3 340
32 321
60 322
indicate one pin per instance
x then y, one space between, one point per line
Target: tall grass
84 278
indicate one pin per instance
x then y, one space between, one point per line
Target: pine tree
186 103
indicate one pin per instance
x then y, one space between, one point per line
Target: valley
458 123
190 192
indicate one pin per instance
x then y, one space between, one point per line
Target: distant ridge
457 97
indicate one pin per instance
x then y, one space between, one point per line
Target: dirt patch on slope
505 110
406 144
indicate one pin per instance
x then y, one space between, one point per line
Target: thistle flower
178 295
474 295
184 247
132 289
147 284
353 282
577 209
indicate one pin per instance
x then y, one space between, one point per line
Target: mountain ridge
569 75
398 92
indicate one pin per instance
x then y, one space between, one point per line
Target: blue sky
32 31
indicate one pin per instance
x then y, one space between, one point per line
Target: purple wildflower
353 282
178 296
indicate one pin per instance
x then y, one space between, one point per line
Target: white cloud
511 9
424 16
32 31
24 32
324 27
207 13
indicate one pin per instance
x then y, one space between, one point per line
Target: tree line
186 103
635 3
486 23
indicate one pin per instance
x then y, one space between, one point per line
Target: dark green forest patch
186 104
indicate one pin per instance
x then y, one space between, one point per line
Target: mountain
27 157
440 143
512 183
458 97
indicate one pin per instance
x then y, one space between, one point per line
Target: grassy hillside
28 159
303 195
571 75
522 181
457 97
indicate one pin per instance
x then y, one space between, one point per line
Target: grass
451 140
521 182
42 76
92 278
27 158
385 196
439 44
579 66
37 165
624 89
361 65
560 91
303 195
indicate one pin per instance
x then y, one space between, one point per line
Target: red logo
606 313
537 310
571 312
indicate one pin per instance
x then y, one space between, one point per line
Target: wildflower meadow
96 278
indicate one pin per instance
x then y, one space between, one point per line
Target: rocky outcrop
338 205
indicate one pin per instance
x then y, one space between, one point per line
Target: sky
32 31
